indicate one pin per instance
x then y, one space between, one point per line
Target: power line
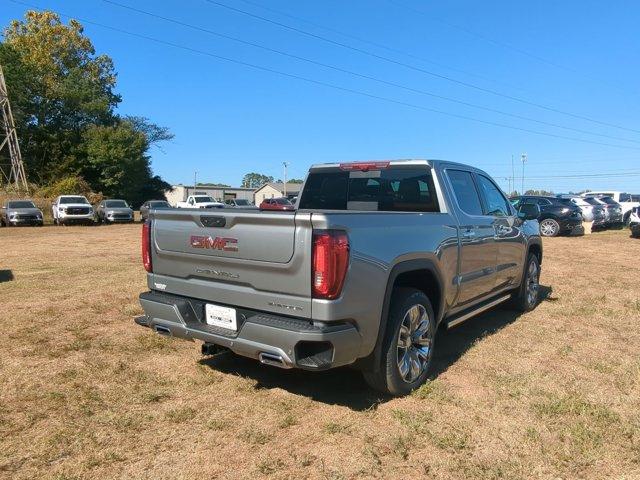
326 84
360 75
413 67
378 45
491 40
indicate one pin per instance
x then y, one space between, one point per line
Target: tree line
63 96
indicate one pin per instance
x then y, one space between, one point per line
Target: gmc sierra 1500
374 258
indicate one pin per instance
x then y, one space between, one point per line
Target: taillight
146 246
330 263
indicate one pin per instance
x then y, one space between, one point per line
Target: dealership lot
87 394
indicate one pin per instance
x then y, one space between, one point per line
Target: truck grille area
78 211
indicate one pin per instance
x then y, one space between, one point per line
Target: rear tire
528 294
549 228
407 347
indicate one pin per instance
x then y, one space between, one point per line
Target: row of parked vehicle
565 213
76 209
66 210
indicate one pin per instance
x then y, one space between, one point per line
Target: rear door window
495 203
394 189
465 191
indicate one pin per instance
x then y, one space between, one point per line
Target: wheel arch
421 274
535 247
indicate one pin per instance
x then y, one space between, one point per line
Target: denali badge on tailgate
218 243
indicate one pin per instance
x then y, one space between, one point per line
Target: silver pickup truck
376 256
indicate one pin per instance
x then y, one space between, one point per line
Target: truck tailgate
246 258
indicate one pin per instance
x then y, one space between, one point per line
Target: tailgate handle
213 221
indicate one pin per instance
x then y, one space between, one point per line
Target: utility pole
195 180
523 157
284 187
513 176
9 138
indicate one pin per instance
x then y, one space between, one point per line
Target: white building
276 190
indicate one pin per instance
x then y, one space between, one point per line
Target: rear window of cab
394 189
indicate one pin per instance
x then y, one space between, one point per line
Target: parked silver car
590 213
616 214
114 211
152 205
239 203
20 212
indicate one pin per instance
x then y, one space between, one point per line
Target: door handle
468 234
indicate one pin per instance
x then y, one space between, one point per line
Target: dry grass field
85 393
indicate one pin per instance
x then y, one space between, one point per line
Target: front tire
407 347
527 296
549 227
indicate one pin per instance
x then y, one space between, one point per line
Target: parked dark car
556 215
152 205
276 204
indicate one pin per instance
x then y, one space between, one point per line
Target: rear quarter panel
379 241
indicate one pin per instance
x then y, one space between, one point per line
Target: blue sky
578 57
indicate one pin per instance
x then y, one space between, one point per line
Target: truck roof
408 161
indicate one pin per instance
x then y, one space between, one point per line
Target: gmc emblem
218 243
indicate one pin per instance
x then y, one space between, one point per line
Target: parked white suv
625 200
68 209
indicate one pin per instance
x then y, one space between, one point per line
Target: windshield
592 201
635 198
203 199
159 204
609 200
580 202
242 202
21 204
395 189
116 204
73 200
282 201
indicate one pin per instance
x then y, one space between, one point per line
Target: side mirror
528 211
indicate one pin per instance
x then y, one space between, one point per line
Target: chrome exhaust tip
272 359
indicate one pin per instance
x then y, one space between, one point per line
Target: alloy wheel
414 343
548 228
533 283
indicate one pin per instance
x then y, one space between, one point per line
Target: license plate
223 317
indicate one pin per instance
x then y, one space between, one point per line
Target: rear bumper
569 224
296 343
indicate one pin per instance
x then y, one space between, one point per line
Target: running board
476 311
